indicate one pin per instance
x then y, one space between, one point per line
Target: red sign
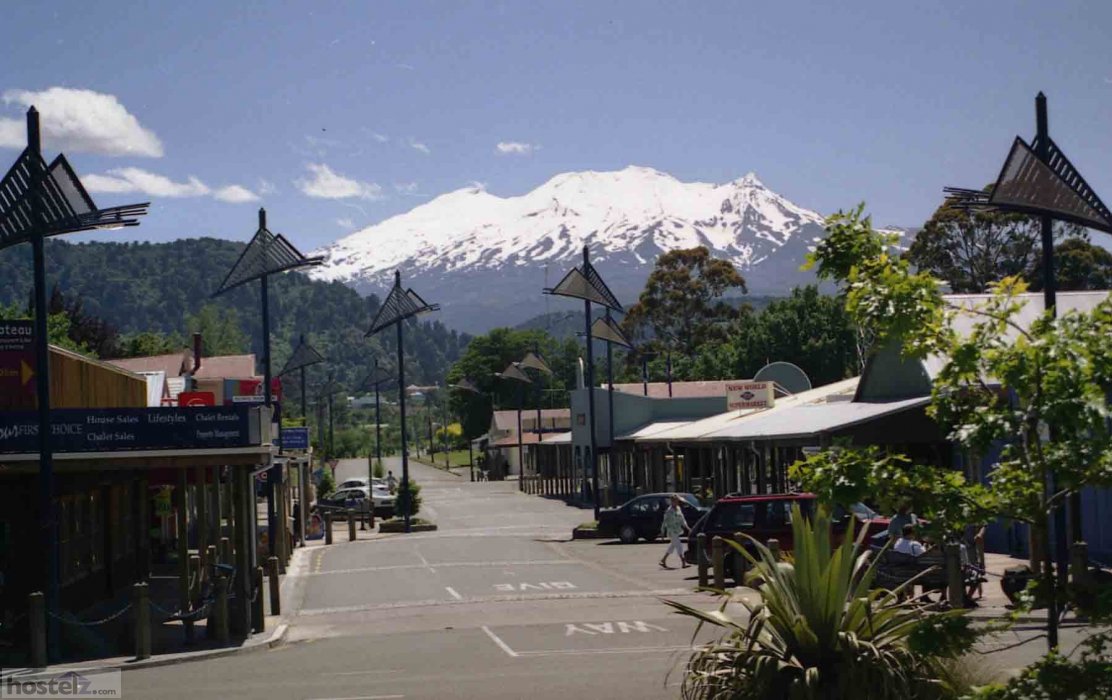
196 398
17 365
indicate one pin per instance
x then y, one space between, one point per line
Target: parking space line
424 562
501 645
365 697
455 595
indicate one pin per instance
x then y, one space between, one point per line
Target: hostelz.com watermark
77 683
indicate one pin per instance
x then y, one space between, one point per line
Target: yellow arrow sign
25 372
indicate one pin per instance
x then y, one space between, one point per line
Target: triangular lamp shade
513 371
534 361
303 356
605 329
586 285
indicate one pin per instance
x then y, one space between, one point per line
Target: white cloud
328 184
121 180
516 148
345 222
80 120
381 138
139 181
235 194
418 146
408 188
266 187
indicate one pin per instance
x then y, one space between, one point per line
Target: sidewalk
168 645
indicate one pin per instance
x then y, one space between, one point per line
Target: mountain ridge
483 256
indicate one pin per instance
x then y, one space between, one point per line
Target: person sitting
907 544
900 520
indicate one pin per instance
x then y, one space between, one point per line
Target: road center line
501 645
455 595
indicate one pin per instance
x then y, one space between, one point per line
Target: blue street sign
295 438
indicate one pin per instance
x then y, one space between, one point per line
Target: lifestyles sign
112 429
745 395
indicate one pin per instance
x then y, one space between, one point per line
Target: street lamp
1038 180
468 386
513 372
535 361
585 283
609 332
378 377
399 306
39 201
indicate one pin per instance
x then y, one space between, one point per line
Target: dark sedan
641 516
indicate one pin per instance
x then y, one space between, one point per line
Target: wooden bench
896 569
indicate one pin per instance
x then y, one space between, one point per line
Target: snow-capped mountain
486 258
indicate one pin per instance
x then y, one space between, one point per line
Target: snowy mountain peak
628 217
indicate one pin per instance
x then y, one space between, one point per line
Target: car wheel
649 536
627 534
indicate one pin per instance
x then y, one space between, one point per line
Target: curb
277 638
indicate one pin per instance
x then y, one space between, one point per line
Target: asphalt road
499 603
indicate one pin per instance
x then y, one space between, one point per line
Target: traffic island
398 525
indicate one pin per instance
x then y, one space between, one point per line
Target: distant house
230 378
502 437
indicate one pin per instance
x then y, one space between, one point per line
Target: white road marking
365 697
362 673
570 595
618 650
424 562
455 595
458 564
501 645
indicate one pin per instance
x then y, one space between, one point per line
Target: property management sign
113 429
744 395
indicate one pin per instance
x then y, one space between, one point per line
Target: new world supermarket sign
113 429
746 395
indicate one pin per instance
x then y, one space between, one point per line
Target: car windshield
863 511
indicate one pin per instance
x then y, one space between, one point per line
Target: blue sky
336 115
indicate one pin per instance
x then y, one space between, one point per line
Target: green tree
147 343
1078 265
492 352
1058 368
971 250
220 331
682 300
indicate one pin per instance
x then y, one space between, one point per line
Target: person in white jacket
673 527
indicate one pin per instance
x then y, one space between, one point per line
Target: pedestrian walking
391 482
673 526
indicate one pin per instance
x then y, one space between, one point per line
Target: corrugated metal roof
557 438
810 419
650 429
680 390
839 392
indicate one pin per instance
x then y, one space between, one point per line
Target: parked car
641 516
769 516
358 498
362 481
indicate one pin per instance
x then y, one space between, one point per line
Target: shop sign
163 506
17 365
295 438
250 391
116 429
315 529
746 395
196 398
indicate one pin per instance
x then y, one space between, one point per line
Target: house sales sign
746 395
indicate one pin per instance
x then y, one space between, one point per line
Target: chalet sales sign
747 395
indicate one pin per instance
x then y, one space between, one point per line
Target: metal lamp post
266 254
473 388
609 332
39 201
378 377
400 304
535 361
585 283
513 372
1038 180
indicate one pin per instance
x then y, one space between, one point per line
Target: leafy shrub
820 631
327 483
403 499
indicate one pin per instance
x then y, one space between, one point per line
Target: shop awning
811 420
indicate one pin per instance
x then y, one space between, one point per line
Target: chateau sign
116 429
